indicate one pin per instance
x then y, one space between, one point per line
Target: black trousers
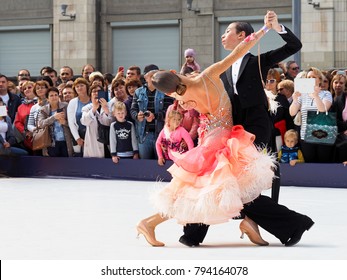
276 184
317 153
197 232
277 219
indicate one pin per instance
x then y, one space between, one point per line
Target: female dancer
212 181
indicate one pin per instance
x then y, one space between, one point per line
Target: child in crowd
190 120
130 87
190 55
123 142
290 152
170 137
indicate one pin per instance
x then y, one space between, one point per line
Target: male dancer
250 108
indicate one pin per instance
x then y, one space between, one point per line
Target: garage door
143 43
28 48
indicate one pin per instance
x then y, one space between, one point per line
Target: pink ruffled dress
211 182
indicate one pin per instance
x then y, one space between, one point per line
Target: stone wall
87 38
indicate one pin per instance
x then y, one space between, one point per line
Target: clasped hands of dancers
225 173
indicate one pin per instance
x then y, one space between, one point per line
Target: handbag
103 133
41 138
321 128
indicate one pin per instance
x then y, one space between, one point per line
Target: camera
59 110
146 114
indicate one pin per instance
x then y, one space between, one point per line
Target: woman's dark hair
168 82
81 80
136 83
40 83
92 87
117 83
52 89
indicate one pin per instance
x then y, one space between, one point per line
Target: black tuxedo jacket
338 107
250 107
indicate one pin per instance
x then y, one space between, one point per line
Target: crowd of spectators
329 94
74 108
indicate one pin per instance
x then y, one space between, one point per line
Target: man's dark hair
108 77
51 70
290 62
244 26
136 68
3 76
46 79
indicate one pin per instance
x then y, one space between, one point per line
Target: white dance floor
78 219
95 219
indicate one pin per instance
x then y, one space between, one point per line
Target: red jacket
21 121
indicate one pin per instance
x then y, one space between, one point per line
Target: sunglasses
340 72
295 68
271 81
23 75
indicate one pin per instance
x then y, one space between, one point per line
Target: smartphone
59 110
120 68
103 94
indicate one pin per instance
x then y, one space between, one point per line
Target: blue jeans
13 151
147 148
59 150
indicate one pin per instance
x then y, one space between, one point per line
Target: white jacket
92 147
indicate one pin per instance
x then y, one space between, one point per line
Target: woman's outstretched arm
242 48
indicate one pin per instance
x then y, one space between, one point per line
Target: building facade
112 33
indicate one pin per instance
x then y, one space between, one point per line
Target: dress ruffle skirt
211 182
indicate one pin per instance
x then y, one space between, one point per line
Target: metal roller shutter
29 49
143 43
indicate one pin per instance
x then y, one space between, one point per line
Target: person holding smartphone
148 110
317 100
91 114
54 115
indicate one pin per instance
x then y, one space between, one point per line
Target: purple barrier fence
306 174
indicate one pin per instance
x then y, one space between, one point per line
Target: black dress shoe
305 225
185 241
